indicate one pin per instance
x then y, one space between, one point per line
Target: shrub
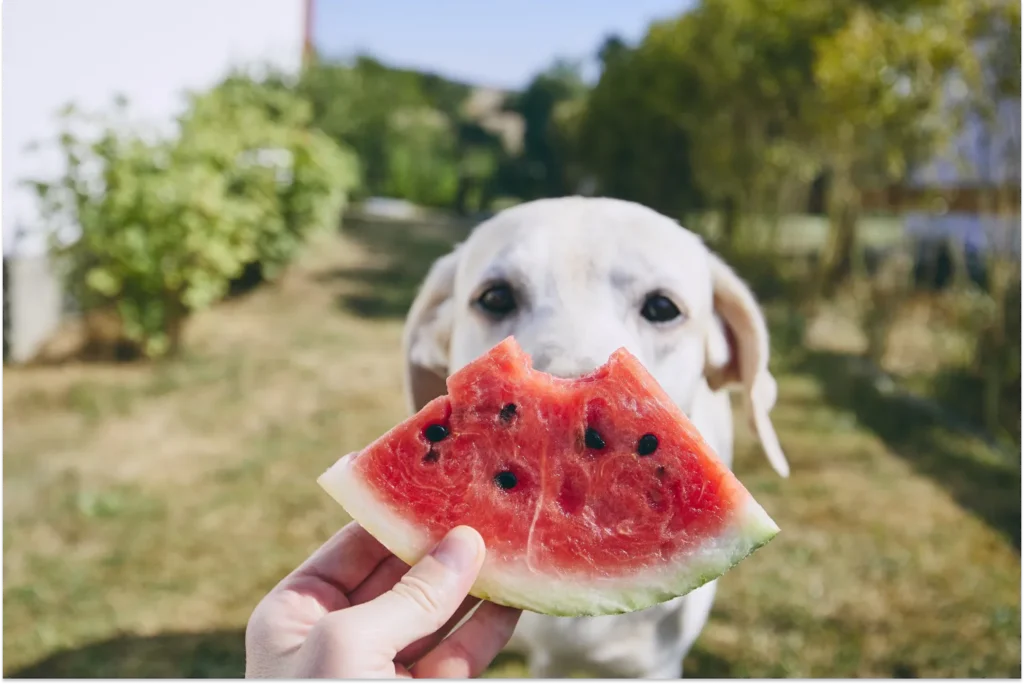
259 126
161 224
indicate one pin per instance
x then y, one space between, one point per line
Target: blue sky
499 43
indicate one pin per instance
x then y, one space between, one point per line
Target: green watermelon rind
516 585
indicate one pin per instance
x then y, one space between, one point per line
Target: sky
499 43
86 51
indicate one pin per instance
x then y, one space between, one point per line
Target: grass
148 508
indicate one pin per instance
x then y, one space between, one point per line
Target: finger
340 565
472 647
414 651
386 576
426 596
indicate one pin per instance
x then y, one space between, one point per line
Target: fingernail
459 549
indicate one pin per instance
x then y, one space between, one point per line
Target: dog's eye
658 308
498 300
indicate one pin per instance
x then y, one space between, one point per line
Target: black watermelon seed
660 472
507 412
647 445
506 479
431 457
435 433
592 439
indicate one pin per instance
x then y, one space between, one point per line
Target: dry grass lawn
147 509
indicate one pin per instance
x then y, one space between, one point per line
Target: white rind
513 584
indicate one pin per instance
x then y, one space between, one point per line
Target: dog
573 279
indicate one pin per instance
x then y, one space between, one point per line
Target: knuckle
423 594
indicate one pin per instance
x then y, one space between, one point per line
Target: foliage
888 89
481 155
541 169
736 105
630 139
261 137
402 124
891 88
165 222
743 73
420 157
741 104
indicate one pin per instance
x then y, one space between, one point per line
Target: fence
34 306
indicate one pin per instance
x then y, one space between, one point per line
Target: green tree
891 88
709 108
402 124
630 138
995 310
747 70
421 158
481 154
541 168
355 106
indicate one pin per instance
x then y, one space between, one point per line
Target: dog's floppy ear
737 356
427 335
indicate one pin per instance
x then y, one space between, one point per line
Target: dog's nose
563 365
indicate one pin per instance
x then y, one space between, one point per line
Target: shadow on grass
221 655
701 664
988 487
964 392
218 654
401 254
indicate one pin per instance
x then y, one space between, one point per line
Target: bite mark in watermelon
594 495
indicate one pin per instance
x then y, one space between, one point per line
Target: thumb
429 594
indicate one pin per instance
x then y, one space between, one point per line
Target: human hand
353 610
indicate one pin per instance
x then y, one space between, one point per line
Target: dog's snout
563 364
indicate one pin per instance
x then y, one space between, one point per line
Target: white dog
573 279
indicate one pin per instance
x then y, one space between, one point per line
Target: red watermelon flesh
594 495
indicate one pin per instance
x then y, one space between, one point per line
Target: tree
481 155
541 167
403 124
420 155
629 137
997 353
708 108
890 95
355 105
743 74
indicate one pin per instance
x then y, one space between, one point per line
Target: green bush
164 223
266 145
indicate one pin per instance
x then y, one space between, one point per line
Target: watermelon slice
594 495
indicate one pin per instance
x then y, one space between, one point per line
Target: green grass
147 509
799 234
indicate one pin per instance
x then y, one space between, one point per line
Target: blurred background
216 213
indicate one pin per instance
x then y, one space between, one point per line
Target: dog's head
574 279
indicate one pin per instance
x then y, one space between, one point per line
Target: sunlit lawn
147 509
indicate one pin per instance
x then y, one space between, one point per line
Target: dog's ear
737 356
427 335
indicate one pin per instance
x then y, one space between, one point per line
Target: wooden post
308 49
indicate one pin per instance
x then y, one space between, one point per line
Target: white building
88 51
984 157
